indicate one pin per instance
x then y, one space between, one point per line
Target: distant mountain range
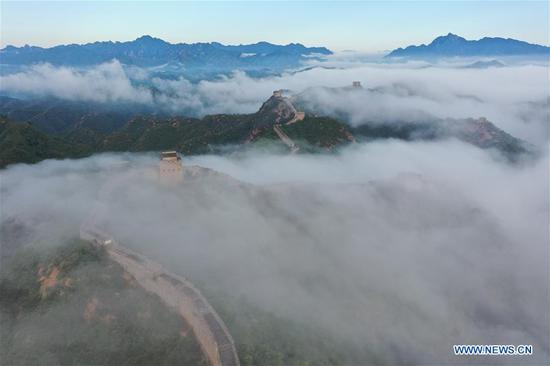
258 59
150 51
452 45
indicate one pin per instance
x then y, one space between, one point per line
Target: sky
368 26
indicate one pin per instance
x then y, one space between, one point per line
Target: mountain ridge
149 51
452 45
27 139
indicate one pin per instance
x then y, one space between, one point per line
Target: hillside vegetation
23 143
74 130
71 305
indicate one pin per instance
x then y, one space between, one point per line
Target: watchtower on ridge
170 167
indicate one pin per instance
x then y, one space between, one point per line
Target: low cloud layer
104 83
515 98
402 249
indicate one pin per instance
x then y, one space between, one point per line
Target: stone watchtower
278 93
356 85
170 167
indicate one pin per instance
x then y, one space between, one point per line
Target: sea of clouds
399 249
516 98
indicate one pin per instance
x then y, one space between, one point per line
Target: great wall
297 116
175 291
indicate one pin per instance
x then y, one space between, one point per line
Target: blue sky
360 25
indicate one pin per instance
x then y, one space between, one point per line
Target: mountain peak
148 39
276 110
449 38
